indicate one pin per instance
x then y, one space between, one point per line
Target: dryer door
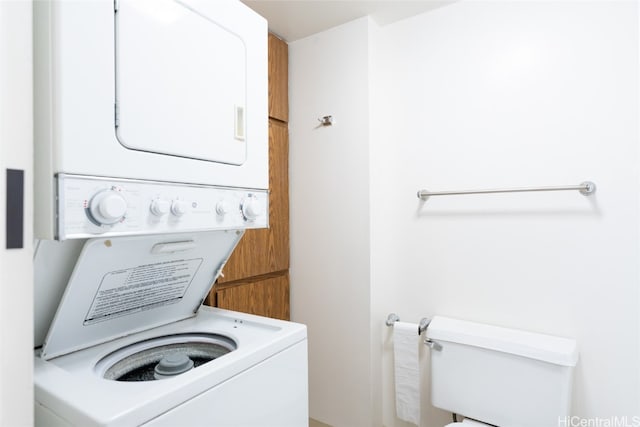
180 82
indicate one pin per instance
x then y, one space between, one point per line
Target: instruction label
140 288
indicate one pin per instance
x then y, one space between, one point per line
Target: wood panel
256 276
268 297
265 251
278 79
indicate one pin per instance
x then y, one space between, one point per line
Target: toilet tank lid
547 348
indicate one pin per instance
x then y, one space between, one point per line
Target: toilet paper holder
422 327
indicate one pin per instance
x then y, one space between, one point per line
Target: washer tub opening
137 362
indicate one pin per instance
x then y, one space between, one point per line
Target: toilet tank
500 376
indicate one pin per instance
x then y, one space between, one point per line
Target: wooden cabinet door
268 297
266 251
278 79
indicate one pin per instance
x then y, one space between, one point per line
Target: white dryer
171 91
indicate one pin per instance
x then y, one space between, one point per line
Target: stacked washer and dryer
151 161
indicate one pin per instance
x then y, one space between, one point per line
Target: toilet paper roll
406 344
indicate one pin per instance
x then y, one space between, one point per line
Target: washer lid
124 285
181 78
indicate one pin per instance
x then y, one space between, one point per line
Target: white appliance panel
173 99
91 207
252 398
124 285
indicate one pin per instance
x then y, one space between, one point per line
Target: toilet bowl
468 422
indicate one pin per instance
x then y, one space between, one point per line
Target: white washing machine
130 343
151 161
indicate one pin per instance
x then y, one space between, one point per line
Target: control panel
93 206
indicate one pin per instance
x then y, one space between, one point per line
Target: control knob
222 207
160 207
251 208
179 207
107 207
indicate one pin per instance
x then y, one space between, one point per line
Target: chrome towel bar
585 188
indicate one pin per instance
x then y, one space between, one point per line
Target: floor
314 423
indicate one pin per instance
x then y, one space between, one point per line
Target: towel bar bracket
422 327
589 188
433 345
392 318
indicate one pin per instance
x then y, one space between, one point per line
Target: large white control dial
179 207
252 208
160 207
107 207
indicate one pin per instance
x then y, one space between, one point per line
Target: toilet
468 423
500 377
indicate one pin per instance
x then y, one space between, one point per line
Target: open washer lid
124 285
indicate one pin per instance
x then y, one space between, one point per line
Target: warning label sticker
140 288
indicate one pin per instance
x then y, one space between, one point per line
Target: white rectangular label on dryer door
143 287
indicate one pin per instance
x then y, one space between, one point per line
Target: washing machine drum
163 357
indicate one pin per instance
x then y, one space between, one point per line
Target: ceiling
295 19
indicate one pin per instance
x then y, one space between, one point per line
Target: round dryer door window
181 81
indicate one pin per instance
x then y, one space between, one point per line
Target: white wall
476 94
508 94
330 218
16 277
